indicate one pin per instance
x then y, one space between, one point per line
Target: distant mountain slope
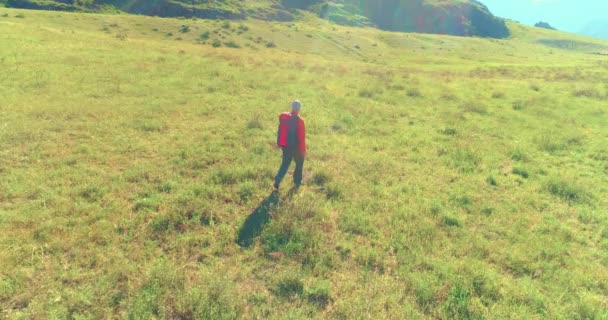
453 17
460 18
598 29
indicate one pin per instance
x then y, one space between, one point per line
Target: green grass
439 182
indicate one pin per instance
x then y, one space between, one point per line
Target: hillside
461 17
447 177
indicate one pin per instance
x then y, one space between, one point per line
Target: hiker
291 138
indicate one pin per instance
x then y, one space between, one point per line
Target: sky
566 15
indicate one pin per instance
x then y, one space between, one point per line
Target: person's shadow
259 217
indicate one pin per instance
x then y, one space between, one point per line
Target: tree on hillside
545 25
82 3
484 24
299 4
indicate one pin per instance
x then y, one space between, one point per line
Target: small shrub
424 293
163 224
356 222
184 29
436 208
147 301
318 294
216 43
289 287
226 25
270 44
217 300
588 93
448 96
255 122
487 211
230 176
518 105
449 132
41 234
575 140
457 305
567 190
519 155
491 180
117 298
92 193
169 34
160 224
498 95
166 187
231 44
204 36
333 192
465 161
370 259
243 28
150 125
475 108
5 15
320 178
535 87
588 216
366 93
147 203
337 127
194 205
550 143
413 93
450 221
139 175
292 231
464 202
246 191
520 171
20 16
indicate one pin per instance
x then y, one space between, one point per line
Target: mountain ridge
455 17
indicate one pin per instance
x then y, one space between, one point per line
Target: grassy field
450 178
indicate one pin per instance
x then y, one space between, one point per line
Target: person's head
296 106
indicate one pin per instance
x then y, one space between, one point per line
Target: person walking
291 138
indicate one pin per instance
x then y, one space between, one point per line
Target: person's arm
302 136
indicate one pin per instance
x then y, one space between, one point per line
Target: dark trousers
288 155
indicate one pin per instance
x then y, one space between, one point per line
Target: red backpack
287 135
